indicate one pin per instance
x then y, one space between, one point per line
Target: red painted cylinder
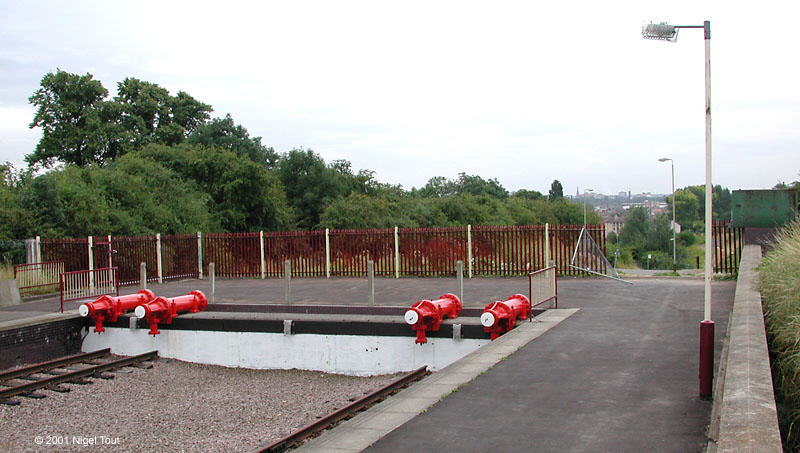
706 359
163 310
501 316
109 308
428 314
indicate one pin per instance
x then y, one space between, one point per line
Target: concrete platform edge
39 319
371 425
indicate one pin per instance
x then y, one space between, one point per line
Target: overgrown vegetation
779 276
647 242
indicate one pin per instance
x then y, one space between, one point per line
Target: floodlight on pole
674 225
667 32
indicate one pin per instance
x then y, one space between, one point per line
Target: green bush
779 276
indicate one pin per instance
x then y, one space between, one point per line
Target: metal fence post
143 275
469 251
263 263
327 253
371 282
158 258
287 275
460 279
212 275
200 255
396 254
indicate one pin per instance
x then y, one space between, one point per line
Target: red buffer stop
501 316
163 310
109 308
428 314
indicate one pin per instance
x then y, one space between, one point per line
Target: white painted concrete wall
357 355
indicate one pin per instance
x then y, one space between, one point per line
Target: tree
636 228
310 185
81 127
151 115
358 211
687 206
556 191
74 119
529 194
224 133
245 196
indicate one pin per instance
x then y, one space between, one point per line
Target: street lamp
584 204
667 32
674 225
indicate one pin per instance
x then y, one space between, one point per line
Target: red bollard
500 317
428 314
163 310
706 373
108 308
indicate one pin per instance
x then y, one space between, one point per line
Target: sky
525 92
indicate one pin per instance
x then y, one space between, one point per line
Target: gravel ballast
178 406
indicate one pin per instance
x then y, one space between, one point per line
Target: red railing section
305 249
178 257
496 250
431 252
508 250
74 252
351 250
128 252
233 254
727 246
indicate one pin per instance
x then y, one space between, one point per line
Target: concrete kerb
371 425
744 417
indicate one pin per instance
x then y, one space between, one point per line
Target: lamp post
674 246
667 32
584 204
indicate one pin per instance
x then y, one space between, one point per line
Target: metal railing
35 277
429 252
79 285
545 288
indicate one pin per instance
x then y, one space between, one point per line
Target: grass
779 282
6 271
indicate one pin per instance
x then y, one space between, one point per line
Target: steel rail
74 375
339 414
57 363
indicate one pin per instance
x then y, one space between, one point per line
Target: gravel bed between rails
179 406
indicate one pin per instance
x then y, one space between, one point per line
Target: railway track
73 369
312 429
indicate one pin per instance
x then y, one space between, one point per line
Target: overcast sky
509 90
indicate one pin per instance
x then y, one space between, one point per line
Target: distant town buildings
612 208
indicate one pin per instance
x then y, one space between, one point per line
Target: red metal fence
727 246
495 250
